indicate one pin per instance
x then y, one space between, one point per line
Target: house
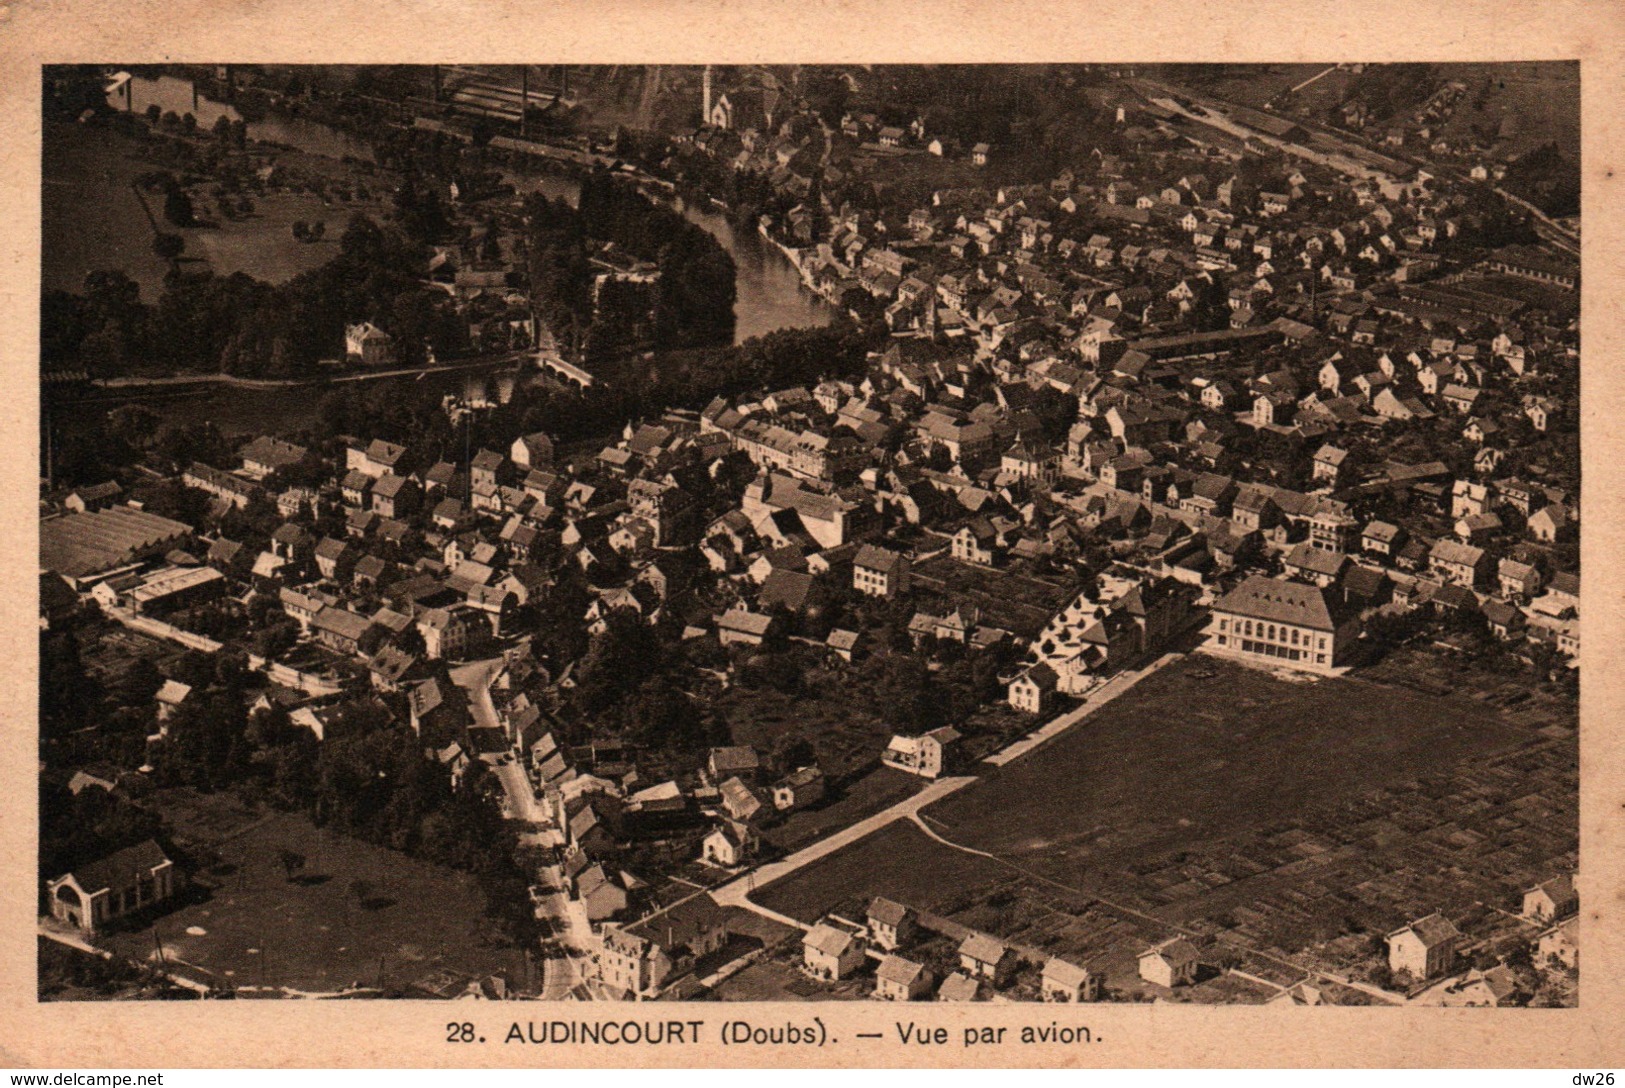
368 345
891 925
739 626
532 451
975 543
880 572
845 644
1033 691
740 801
1461 564
1484 989
1274 622
265 455
1552 901
339 629
730 844
445 635
1067 982
741 761
1315 565
1382 538
1549 523
335 558
927 755
394 496
1299 993
171 696
987 959
831 952
1329 464
94 497
601 894
901 979
640 959
1423 949
129 880
1172 963
799 789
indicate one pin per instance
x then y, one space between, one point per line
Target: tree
178 207
168 246
292 862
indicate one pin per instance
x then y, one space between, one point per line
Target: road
1092 702
559 972
737 893
126 385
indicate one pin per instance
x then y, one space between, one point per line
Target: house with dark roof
891 925
265 455
643 958
1172 963
988 959
880 572
1425 948
1274 622
132 879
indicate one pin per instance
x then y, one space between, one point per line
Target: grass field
92 219
1204 747
1542 96
249 925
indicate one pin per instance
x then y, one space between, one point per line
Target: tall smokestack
705 97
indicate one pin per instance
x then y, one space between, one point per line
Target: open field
1280 819
1542 96
249 925
899 861
1203 747
262 244
93 219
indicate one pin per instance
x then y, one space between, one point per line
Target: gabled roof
828 939
887 912
983 948
121 869
899 970
1264 598
1432 931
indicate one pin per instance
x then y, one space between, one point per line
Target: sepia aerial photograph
847 532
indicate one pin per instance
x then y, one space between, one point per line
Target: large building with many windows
1275 622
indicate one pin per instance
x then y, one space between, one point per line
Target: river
769 296
170 93
769 291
